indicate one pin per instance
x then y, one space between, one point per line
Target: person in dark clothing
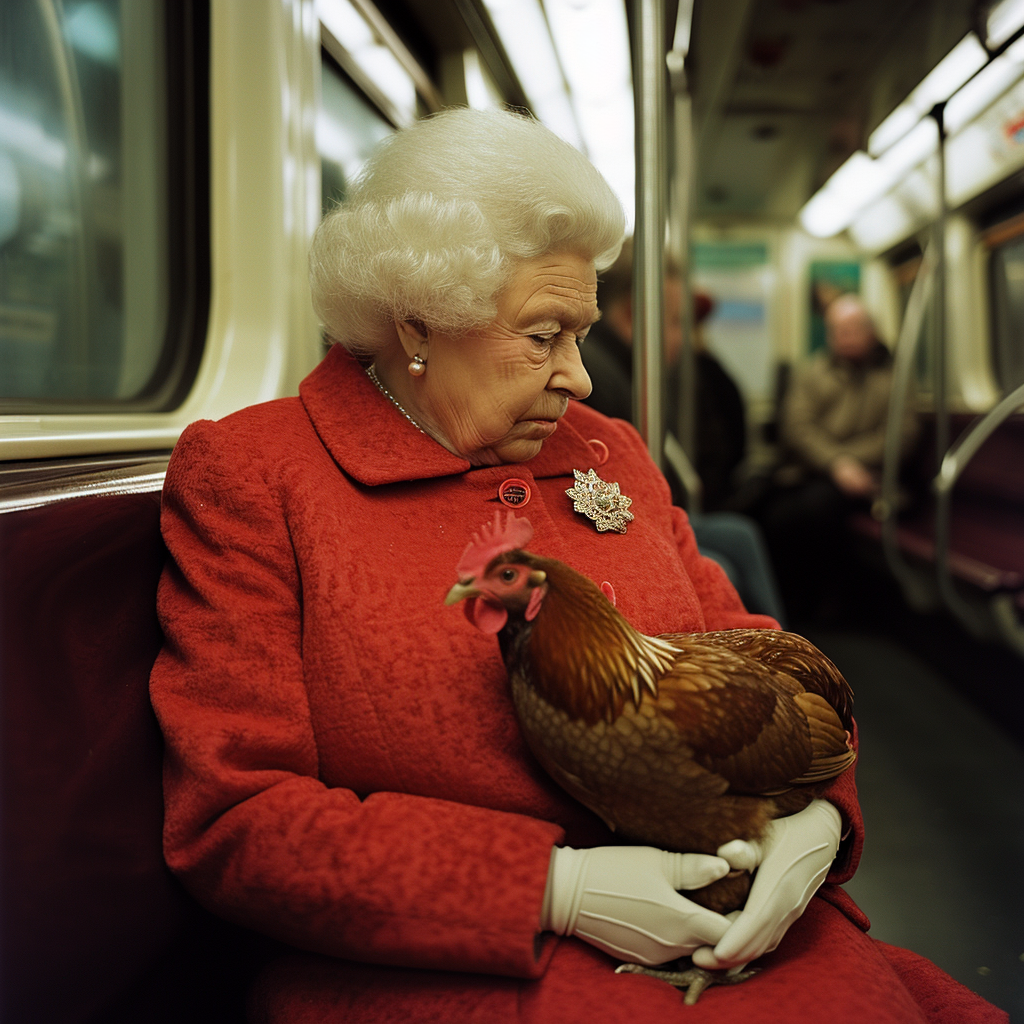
608 350
720 423
731 539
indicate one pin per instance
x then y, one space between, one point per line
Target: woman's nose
569 375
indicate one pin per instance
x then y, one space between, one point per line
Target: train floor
941 784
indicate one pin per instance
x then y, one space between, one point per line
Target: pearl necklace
371 372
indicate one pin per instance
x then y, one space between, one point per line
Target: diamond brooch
600 501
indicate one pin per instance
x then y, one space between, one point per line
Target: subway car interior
163 167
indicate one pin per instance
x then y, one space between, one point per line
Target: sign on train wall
739 277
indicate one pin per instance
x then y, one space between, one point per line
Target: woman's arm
250 828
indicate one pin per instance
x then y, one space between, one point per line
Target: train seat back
987 521
94 926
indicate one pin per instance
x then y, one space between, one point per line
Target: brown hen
683 741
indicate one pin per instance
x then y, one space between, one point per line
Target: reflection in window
83 200
1007 276
347 130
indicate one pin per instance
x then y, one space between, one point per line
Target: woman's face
496 394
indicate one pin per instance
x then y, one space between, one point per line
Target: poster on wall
829 280
737 276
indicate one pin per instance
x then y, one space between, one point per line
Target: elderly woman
344 772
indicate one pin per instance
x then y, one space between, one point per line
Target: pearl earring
418 366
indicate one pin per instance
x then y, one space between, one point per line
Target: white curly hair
440 216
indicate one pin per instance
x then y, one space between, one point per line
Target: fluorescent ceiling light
481 93
964 60
957 67
375 60
527 41
345 23
592 41
882 224
1003 20
985 88
834 206
861 181
912 150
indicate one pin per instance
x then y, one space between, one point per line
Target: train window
1006 268
86 236
347 130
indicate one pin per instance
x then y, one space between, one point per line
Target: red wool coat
344 771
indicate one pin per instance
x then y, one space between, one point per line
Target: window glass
347 130
83 200
1007 279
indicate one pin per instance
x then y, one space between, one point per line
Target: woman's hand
794 858
623 900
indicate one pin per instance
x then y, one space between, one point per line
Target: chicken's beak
461 591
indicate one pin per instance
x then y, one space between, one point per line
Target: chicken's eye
508 575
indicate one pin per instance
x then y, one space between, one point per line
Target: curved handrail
954 463
679 461
903 368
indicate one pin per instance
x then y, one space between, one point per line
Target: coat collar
373 443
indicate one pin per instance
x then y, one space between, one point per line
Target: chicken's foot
692 980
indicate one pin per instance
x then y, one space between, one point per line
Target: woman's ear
413 335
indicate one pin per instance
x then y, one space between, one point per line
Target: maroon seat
987 521
94 927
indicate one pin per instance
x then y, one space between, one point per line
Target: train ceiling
785 90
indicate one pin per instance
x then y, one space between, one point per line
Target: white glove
623 900
794 857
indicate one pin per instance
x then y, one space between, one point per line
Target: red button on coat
600 450
514 492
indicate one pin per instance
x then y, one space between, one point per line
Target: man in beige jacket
832 431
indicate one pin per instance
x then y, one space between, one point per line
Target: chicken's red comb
491 540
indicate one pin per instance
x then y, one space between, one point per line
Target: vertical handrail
680 207
940 353
648 252
903 370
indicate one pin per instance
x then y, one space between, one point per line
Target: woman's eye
508 575
543 339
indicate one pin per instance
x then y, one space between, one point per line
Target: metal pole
939 351
648 252
680 206
953 601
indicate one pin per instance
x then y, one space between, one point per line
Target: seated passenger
731 539
720 430
832 432
344 771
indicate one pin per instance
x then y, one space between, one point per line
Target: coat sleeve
249 827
